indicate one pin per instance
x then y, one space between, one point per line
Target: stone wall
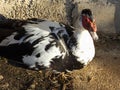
59 10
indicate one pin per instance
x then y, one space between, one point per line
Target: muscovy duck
42 44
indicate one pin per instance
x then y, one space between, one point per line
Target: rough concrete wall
59 10
103 13
117 15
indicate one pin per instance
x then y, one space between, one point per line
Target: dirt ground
103 73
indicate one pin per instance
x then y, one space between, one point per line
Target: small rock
32 86
89 78
40 71
1 77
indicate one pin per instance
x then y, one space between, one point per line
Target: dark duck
43 44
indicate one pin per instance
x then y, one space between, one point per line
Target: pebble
1 77
32 86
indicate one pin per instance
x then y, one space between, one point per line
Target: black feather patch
16 51
35 19
28 36
36 41
55 36
20 33
52 28
72 42
49 45
38 55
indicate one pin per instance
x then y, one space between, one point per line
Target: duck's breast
83 50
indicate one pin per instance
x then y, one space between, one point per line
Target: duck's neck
78 25
78 28
80 34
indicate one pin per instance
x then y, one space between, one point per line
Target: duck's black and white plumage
46 44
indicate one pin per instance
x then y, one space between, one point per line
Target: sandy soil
101 74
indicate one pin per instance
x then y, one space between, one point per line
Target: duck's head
88 22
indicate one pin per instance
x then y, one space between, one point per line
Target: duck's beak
93 30
94 35
93 25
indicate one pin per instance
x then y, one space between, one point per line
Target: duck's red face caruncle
89 23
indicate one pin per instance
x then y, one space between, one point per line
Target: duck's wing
33 41
56 29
